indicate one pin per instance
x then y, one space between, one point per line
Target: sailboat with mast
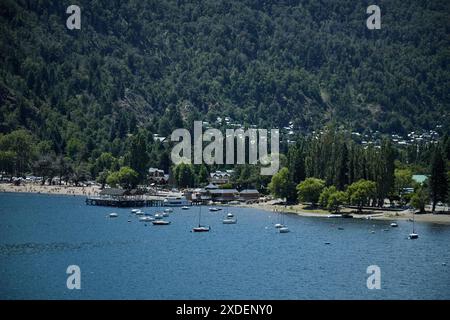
413 235
279 225
282 228
201 228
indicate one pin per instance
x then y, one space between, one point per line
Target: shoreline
51 190
374 215
295 209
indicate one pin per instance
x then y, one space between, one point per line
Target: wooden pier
123 203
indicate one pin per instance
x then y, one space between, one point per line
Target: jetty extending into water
124 203
113 197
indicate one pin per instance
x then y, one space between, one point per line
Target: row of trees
377 177
332 157
22 153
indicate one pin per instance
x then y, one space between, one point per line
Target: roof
249 191
120 192
223 191
419 178
112 192
211 186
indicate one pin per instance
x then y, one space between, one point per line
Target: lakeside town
218 191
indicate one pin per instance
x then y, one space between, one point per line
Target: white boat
146 219
184 208
139 213
160 223
281 226
394 225
169 210
334 216
214 209
175 201
200 228
134 211
229 221
158 216
113 215
413 234
284 230
230 215
165 214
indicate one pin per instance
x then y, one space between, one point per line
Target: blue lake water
41 235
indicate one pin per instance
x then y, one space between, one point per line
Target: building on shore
224 195
211 186
247 195
121 194
198 195
157 176
220 177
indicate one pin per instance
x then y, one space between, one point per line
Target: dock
123 203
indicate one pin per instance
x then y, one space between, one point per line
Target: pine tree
342 172
296 164
438 178
138 156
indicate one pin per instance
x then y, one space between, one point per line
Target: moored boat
146 219
160 223
229 221
284 230
201 229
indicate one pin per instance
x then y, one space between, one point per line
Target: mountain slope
143 63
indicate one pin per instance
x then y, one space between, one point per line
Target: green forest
87 104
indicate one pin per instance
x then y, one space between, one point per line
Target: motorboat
160 223
230 215
175 201
334 216
229 221
278 225
113 215
146 219
168 210
214 209
184 208
394 225
165 214
284 230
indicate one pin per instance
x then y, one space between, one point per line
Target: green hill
162 64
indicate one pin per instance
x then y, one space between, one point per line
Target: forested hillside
152 66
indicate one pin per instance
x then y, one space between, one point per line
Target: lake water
41 235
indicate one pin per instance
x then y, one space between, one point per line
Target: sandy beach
295 209
374 215
62 190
